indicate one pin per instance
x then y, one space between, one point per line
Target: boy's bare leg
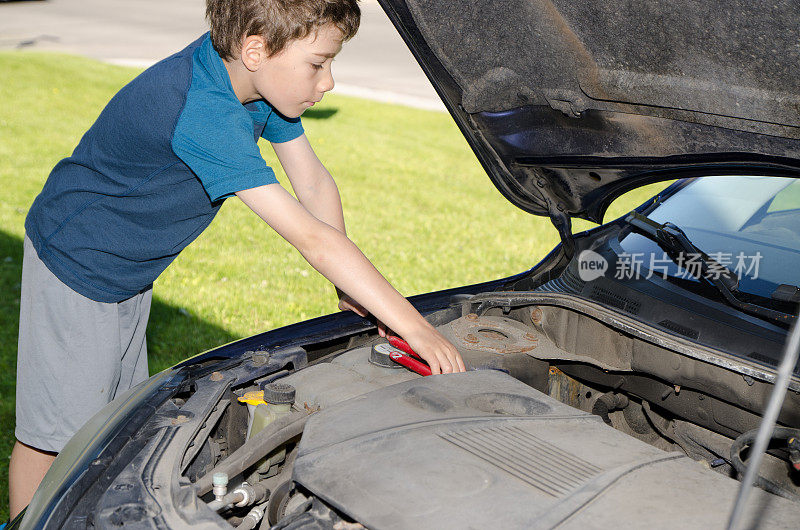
25 471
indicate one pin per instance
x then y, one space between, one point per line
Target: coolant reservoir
266 405
276 400
252 400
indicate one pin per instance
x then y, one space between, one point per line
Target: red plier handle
406 356
400 344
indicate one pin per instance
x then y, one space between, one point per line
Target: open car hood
570 104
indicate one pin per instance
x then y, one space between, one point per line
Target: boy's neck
240 81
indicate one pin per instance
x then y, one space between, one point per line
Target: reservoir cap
279 393
380 356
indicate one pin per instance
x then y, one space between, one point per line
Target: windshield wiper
676 243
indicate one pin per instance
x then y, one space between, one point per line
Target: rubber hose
271 437
232 497
747 438
607 403
248 523
252 518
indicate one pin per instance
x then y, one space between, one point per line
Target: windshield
751 225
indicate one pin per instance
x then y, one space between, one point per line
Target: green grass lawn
416 202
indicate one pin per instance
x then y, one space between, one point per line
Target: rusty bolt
471 338
531 337
536 315
472 316
180 419
216 376
260 358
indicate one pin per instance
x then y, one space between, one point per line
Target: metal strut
563 224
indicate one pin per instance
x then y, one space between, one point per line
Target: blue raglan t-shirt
151 173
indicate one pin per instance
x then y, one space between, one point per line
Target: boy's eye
317 66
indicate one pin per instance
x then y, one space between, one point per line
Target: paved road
375 64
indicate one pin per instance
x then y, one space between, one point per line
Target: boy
148 177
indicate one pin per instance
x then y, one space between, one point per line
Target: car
618 383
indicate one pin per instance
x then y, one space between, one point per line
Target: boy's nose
327 83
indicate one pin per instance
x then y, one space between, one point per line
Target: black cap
278 393
379 356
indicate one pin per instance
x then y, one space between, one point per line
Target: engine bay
562 418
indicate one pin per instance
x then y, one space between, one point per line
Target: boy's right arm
337 258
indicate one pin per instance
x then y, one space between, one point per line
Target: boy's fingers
345 305
435 367
461 366
457 361
448 365
439 353
449 358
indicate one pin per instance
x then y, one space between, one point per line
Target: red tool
406 356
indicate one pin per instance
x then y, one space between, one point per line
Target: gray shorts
74 356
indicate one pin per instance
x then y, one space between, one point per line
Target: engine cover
483 450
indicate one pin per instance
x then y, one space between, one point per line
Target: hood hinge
563 224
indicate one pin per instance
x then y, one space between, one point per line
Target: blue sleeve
281 129
216 140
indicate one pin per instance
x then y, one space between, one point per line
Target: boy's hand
440 354
346 303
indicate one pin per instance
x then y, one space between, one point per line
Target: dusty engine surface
481 449
484 343
560 421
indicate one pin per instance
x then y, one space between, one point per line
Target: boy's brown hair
278 21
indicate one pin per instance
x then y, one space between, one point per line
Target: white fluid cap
219 479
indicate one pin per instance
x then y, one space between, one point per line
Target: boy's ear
254 52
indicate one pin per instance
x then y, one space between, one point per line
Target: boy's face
298 76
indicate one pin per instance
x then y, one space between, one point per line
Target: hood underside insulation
694 61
